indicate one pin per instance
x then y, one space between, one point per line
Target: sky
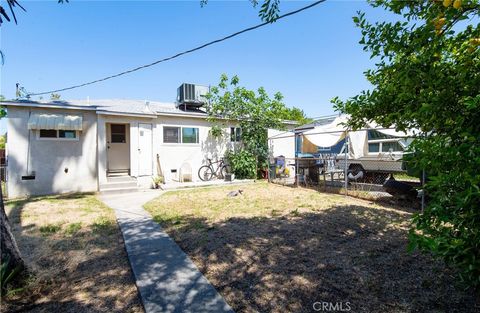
310 57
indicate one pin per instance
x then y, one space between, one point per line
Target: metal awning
55 121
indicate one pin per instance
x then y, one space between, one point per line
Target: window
48 133
180 134
57 134
189 135
170 134
391 146
118 133
374 147
378 142
235 134
70 134
376 135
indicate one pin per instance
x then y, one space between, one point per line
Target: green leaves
254 111
269 10
428 77
242 164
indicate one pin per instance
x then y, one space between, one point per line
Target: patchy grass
74 249
49 229
280 249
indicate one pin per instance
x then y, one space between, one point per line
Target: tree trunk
8 245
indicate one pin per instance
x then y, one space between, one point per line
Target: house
82 145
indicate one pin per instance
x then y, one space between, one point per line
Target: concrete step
111 191
119 184
116 179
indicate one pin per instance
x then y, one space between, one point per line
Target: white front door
145 149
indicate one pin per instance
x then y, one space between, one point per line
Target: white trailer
372 151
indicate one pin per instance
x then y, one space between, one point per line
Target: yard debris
235 193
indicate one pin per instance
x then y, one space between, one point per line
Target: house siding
174 156
63 166
59 166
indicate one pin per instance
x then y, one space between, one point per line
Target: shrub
242 163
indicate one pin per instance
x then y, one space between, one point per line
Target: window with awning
48 121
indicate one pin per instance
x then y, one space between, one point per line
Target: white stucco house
83 145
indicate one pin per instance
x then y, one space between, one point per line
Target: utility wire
178 54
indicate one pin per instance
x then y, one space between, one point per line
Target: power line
178 54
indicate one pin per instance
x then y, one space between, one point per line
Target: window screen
189 135
171 134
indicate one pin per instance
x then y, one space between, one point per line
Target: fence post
345 177
423 189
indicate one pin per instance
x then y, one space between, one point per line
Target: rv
372 153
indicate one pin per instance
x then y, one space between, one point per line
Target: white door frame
123 155
145 171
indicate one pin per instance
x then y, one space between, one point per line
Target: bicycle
207 172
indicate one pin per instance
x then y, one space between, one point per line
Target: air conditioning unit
191 95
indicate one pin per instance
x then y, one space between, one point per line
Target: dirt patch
73 246
280 249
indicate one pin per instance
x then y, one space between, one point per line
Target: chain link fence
378 172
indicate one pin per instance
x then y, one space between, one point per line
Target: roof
112 106
124 107
324 120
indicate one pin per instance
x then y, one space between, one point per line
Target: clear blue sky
310 57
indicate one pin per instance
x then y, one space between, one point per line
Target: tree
255 112
427 77
295 114
8 246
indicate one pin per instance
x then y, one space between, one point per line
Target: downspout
28 144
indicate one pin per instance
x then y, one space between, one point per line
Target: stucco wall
59 165
173 156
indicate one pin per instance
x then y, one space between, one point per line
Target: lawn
280 249
74 247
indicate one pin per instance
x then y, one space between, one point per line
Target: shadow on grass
93 284
344 254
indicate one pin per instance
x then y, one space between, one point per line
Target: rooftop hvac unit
191 95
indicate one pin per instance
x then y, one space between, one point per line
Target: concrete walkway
167 279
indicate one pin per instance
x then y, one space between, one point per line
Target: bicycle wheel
205 173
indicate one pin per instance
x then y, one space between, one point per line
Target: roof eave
46 105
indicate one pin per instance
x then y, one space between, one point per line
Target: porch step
118 173
119 185
117 179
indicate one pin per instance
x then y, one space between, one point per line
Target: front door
145 149
118 147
